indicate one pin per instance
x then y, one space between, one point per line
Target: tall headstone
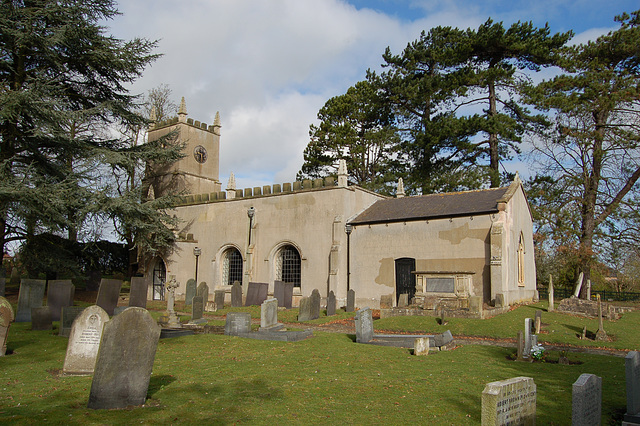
41 318
284 293
576 293
203 291
59 294
527 337
364 325
256 293
538 321
138 292
315 304
304 310
269 313
197 309
632 375
520 350
192 288
3 284
588 289
600 334
30 296
84 341
125 360
67 317
586 404
108 294
351 300
236 294
218 298
6 318
237 323
509 402
331 304
551 301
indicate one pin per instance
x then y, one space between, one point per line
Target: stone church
461 248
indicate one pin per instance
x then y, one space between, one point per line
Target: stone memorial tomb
41 318
421 346
284 293
125 360
351 301
315 304
108 294
236 294
59 294
218 298
192 288
30 296
6 318
138 292
632 375
203 291
509 402
67 317
237 323
331 304
256 294
364 325
84 341
586 403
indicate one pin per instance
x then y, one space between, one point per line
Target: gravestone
600 334
364 325
218 298
386 301
527 337
269 313
331 304
304 310
3 283
551 301
197 309
315 304
576 293
59 294
237 323
632 375
41 318
119 309
203 291
475 304
520 350
499 301
125 360
284 293
588 290
6 318
421 346
192 288
586 403
68 315
351 301
256 294
236 294
538 321
30 296
511 401
172 318
138 292
403 300
84 341
108 294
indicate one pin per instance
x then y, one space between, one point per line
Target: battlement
256 192
211 128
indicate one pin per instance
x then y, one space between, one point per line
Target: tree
57 65
593 151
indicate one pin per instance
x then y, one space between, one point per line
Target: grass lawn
329 379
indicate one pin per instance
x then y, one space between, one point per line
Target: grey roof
434 206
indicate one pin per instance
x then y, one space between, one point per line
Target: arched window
159 278
521 261
288 265
231 266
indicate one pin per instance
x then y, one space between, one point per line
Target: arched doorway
405 279
159 279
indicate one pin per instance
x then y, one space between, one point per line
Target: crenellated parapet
211 128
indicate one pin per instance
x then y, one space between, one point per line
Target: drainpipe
348 228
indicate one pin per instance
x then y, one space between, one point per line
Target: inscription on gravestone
108 294
30 296
421 346
192 288
138 292
586 404
197 309
509 402
237 322
236 294
269 313
6 318
331 304
364 325
84 341
256 293
59 294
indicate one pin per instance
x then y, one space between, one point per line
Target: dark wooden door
405 280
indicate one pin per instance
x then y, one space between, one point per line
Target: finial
231 187
400 190
152 118
182 111
216 124
342 173
517 178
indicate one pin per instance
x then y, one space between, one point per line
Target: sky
268 66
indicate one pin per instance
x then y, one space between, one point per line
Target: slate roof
434 206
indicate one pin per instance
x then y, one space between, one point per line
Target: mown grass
213 379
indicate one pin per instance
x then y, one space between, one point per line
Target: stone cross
171 285
600 334
551 302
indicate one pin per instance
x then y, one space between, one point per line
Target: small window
231 266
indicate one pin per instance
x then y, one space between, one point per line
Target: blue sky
268 66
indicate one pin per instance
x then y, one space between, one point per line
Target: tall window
288 265
521 261
159 278
231 266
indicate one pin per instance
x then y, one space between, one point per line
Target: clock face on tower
200 154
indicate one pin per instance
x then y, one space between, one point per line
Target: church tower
198 171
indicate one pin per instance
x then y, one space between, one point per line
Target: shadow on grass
158 382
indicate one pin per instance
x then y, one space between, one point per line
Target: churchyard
328 378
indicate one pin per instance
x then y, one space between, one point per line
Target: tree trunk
494 159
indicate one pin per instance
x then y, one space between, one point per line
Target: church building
455 249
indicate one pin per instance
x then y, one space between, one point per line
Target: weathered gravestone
108 294
364 325
203 291
197 309
284 293
586 403
218 298
304 310
538 321
269 313
421 346
84 341
59 294
138 292
509 402
30 296
315 304
237 323
331 304
351 301
125 360
3 283
600 334
551 293
192 288
41 318
67 317
527 337
520 345
256 293
632 375
6 318
403 300
475 304
236 294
